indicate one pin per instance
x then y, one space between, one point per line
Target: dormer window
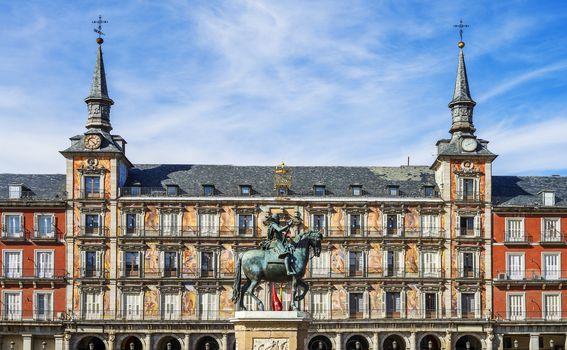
548 198
282 191
209 190
393 190
172 190
245 190
356 190
429 191
319 190
136 189
15 191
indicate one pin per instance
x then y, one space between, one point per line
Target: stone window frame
5 226
95 290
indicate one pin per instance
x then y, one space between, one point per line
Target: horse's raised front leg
259 302
240 301
304 286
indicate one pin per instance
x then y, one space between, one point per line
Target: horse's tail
237 278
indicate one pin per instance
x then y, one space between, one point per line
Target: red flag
276 303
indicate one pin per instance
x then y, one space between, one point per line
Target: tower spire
462 104
98 101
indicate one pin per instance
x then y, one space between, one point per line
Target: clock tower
96 169
463 171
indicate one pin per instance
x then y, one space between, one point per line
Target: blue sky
305 82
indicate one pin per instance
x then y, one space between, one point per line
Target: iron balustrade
14 233
157 273
29 314
91 195
525 315
33 235
35 274
467 233
531 275
466 196
188 231
517 237
553 237
473 273
93 231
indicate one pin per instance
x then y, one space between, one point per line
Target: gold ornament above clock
92 141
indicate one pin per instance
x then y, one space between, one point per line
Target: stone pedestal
282 330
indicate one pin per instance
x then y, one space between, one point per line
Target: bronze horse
265 265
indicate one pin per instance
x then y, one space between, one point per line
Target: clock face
92 141
469 144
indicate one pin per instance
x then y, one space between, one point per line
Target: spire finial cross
461 25
98 30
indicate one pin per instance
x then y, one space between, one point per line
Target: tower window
92 186
319 190
208 190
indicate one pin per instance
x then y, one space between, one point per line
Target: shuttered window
319 305
515 266
551 230
430 266
552 306
170 308
12 264
12 305
91 305
132 307
42 307
44 226
516 307
44 264
551 266
320 265
430 225
515 230
170 224
208 224
209 306
13 226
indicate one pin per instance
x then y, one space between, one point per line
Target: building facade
414 257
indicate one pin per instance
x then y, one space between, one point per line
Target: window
245 190
320 265
356 190
15 191
12 305
170 264
430 305
319 305
393 190
170 308
356 263
245 224
468 263
92 224
170 224
355 225
551 266
282 191
393 223
42 306
319 190
515 266
551 306
469 190
548 198
516 307
394 263
13 226
132 264
356 305
393 304
429 191
91 305
12 264
209 306
132 307
468 305
91 264
207 264
467 226
430 225
172 190
208 190
515 230
208 224
136 190
131 224
430 264
44 226
551 230
92 186
319 223
44 264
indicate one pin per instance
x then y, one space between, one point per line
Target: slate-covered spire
462 104
98 101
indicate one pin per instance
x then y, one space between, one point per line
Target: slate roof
337 179
41 187
526 190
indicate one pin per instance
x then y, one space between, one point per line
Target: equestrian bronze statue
281 259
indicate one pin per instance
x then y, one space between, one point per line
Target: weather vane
98 30
461 25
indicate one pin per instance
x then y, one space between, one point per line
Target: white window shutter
477 306
400 226
477 225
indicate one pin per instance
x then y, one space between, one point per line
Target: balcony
469 274
467 235
35 275
160 273
47 237
553 237
91 195
137 191
13 234
92 232
92 273
517 238
25 315
469 197
192 232
530 277
540 315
